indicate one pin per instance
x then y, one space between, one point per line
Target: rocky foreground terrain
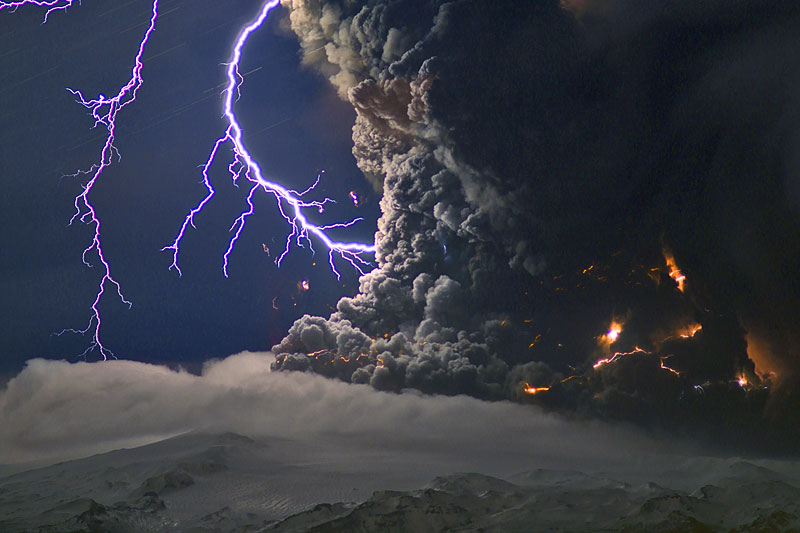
228 482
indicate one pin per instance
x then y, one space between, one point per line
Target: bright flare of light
290 203
742 381
689 331
674 272
611 336
534 390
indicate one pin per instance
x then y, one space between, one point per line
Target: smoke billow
551 169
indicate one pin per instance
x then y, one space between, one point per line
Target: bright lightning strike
290 203
104 111
51 5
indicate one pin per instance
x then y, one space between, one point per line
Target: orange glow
534 390
760 352
535 341
610 337
742 381
615 357
674 272
607 360
665 367
689 331
303 285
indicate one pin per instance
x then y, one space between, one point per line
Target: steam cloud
54 410
537 162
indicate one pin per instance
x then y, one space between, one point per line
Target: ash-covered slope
224 482
231 483
563 501
141 489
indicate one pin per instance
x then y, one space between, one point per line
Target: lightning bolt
291 204
104 112
51 5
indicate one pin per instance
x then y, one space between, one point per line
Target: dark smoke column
455 239
551 171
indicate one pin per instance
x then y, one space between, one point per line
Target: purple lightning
51 5
104 111
290 203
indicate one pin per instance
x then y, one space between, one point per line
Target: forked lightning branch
292 205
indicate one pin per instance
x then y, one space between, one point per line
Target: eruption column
104 111
290 203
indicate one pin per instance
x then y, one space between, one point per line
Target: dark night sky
294 125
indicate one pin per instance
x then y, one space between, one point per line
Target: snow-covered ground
229 482
243 449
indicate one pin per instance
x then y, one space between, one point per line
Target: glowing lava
534 390
689 331
674 272
665 367
290 203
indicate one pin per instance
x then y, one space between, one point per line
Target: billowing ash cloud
549 169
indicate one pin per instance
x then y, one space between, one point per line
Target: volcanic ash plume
564 186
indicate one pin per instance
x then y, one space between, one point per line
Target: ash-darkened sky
587 205
293 122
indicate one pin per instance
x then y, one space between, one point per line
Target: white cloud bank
54 410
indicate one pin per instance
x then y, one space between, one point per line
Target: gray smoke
535 161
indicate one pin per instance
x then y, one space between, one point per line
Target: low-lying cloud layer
54 410
551 169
